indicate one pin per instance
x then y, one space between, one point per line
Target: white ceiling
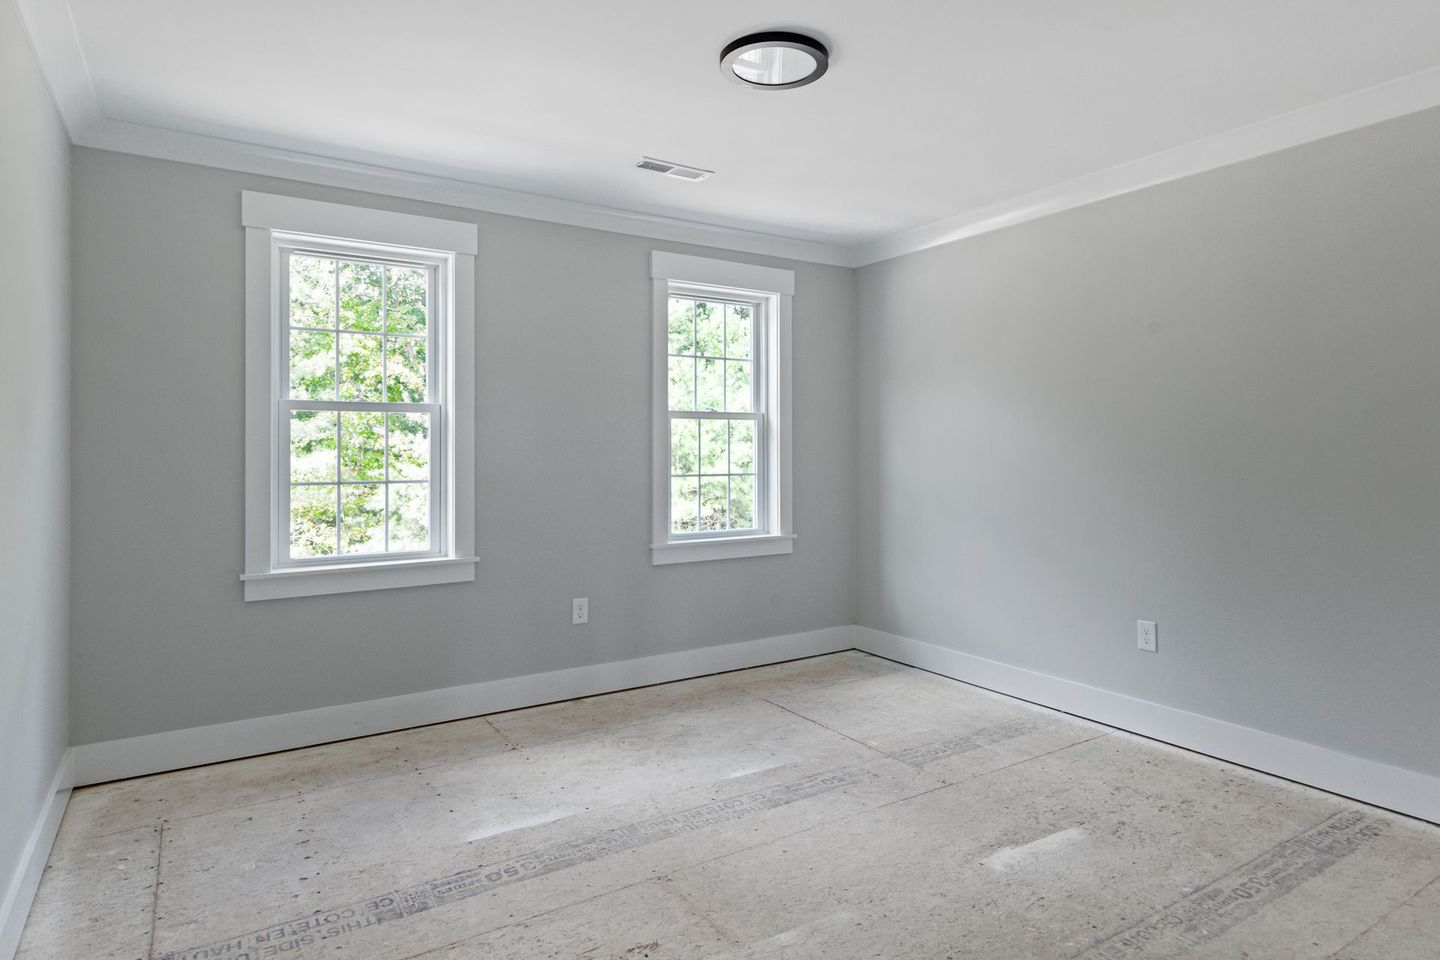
932 108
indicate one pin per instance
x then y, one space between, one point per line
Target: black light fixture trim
775 38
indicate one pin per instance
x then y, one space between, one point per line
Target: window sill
721 548
315 581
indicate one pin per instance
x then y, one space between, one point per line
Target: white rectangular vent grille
677 170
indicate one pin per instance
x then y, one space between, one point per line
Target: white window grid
756 416
284 405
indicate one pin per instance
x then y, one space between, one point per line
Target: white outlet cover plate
1146 635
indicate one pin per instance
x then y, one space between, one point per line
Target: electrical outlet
1146 635
580 610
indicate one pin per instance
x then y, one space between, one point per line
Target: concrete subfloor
836 807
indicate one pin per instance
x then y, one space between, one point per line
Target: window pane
362 519
409 516
712 503
684 503
405 292
362 446
709 329
360 296
312 446
742 446
312 521
359 367
682 383
406 370
737 386
684 446
737 331
682 326
312 291
710 384
409 446
713 446
742 503
312 366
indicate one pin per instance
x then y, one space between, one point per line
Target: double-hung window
722 397
358 356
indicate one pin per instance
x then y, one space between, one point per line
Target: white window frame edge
262 216
777 288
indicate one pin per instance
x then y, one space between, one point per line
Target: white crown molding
148 141
51 27
1386 101
57 47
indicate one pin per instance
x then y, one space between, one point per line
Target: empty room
650 481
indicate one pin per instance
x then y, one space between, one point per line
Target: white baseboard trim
20 891
175 749
1395 788
1369 781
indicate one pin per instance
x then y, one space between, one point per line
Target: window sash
757 333
359 253
759 473
283 404
435 481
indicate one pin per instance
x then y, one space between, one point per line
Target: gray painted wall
162 638
1213 403
34 435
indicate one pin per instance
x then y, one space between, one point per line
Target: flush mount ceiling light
775 60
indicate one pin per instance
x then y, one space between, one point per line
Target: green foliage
714 446
312 446
356 474
361 305
742 446
406 293
709 330
312 292
737 331
682 383
684 446
682 326
742 503
684 506
406 363
737 386
361 367
409 516
409 446
312 521
709 384
362 519
312 365
362 446
712 503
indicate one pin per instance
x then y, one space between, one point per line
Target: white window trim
777 288
263 217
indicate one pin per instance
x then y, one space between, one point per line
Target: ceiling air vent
677 170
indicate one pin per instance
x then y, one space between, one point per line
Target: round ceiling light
775 60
